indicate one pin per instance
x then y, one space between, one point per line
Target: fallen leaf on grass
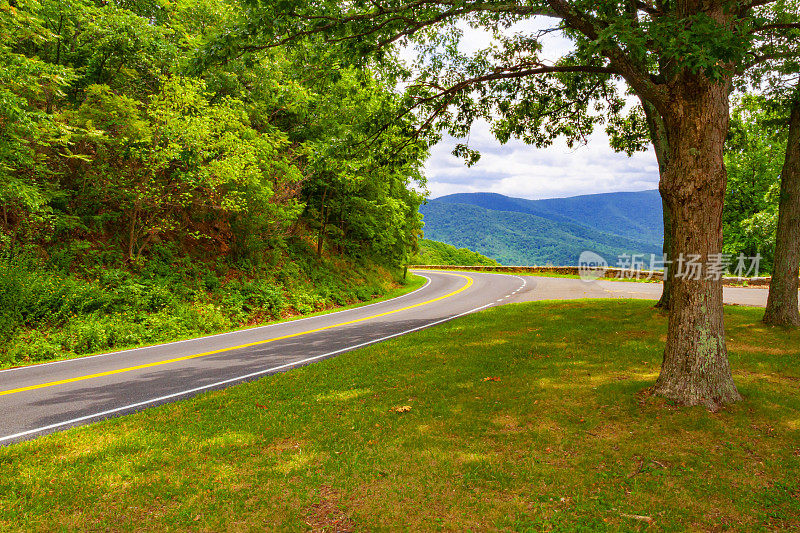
261 406
401 409
491 379
641 518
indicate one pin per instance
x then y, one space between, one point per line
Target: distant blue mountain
636 215
557 230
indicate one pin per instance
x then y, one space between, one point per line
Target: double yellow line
466 286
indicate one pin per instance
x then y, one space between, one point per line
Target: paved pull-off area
43 398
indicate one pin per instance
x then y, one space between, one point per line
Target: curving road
49 397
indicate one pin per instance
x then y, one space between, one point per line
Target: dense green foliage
754 156
514 231
46 314
131 171
439 253
143 146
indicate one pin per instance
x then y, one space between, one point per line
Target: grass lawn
523 417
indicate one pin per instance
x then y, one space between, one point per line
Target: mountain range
516 231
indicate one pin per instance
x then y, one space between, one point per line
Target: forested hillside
634 215
515 231
439 253
148 191
514 238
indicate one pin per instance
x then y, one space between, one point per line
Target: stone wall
611 273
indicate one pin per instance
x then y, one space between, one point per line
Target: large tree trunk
695 369
782 301
658 137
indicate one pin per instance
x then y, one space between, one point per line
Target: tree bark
658 137
323 222
695 368
782 304
132 232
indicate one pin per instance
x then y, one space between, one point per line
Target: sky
516 169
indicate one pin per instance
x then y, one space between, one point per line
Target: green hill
439 253
633 215
515 238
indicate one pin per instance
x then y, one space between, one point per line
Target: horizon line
535 199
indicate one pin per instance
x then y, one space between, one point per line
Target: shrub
47 313
268 297
158 297
30 346
302 302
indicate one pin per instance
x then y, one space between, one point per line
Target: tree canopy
511 83
115 136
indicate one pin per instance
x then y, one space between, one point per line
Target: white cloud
516 169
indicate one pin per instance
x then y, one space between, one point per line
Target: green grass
561 439
412 283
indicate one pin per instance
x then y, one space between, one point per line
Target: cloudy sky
516 169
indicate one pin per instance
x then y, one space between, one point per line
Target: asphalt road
49 397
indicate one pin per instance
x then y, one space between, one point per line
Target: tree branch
755 3
455 9
519 72
776 26
757 59
648 8
447 94
620 62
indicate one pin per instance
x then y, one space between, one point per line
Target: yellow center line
467 285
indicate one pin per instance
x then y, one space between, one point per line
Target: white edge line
86 358
231 380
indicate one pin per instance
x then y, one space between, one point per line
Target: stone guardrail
611 272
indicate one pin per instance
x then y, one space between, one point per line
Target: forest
148 194
755 151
